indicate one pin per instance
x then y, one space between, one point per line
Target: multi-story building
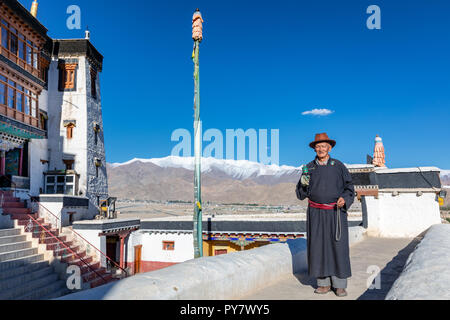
51 128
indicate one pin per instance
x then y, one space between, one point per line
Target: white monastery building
51 128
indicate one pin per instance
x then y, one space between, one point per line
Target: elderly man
327 184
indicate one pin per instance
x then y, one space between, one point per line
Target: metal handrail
76 233
67 247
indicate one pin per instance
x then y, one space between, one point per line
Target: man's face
322 149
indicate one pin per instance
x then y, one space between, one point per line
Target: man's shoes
323 290
341 293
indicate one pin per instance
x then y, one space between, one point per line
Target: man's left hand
341 202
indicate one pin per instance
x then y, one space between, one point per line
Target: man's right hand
305 180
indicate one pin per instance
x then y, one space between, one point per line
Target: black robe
326 256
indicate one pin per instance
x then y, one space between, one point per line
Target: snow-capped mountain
223 181
445 177
235 169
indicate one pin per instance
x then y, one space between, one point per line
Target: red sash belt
329 206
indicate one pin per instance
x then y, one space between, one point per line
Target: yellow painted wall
209 247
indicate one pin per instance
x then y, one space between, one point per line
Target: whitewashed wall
57 209
98 242
405 215
38 150
152 247
80 106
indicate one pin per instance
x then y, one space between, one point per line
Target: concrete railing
426 275
222 277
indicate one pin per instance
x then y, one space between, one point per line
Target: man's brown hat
322 137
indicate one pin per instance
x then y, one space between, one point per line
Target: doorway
111 249
137 259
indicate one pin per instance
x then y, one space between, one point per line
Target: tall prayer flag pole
197 36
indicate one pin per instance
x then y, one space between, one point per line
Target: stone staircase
33 262
24 272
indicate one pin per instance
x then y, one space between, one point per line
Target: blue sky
263 64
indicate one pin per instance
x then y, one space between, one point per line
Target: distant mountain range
445 177
223 181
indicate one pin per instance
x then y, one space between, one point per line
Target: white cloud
318 112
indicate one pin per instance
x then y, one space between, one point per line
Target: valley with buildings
162 188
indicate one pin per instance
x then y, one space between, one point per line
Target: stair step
24 220
51 240
92 266
12 239
28 290
13 205
57 294
17 210
6 256
37 232
64 252
9 232
54 245
24 269
11 199
71 258
20 280
79 262
100 282
40 293
15 263
10 247
94 274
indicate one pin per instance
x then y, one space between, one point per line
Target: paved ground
389 255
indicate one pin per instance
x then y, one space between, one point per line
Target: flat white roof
405 170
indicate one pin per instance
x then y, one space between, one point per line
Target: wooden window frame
32 116
31 52
67 76
69 131
168 245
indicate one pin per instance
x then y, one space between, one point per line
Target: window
219 252
94 83
35 57
27 102
98 163
44 70
60 184
18 97
67 76
29 53
34 105
14 41
11 95
2 93
44 121
20 47
69 164
70 131
5 42
168 245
